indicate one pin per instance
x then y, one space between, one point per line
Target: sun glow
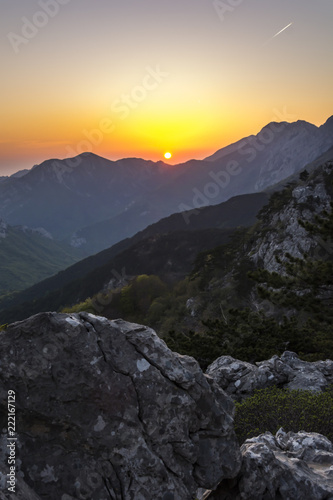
167 156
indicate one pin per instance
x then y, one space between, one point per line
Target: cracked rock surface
289 466
240 379
104 410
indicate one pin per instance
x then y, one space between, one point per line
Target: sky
129 78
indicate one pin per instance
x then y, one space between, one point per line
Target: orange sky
141 78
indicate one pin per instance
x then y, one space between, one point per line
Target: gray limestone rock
240 379
307 201
104 410
286 466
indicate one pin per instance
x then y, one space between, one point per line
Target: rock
22 490
306 201
104 410
193 305
286 466
240 379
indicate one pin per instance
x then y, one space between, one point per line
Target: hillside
268 289
238 211
28 256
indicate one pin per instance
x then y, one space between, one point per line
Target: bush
272 408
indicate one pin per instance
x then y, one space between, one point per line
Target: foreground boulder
240 379
104 410
286 466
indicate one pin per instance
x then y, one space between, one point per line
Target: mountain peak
328 125
329 120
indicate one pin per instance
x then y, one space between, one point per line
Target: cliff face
281 232
104 410
278 232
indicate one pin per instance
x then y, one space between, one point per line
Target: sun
167 156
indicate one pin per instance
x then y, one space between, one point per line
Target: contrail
282 30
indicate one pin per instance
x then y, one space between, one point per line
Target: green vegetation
228 305
27 257
295 312
270 409
145 299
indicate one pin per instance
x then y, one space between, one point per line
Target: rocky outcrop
239 379
307 199
286 466
104 410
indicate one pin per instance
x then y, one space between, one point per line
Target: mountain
248 166
103 201
269 289
218 308
19 174
63 195
106 233
166 248
28 256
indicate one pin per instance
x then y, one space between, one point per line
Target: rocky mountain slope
219 279
279 231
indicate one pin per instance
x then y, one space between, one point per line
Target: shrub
296 410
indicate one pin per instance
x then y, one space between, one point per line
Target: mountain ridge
129 194
224 218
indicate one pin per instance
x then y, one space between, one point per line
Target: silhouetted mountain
248 166
94 202
64 195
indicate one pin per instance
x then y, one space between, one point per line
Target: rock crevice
112 412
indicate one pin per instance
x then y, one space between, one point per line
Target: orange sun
167 156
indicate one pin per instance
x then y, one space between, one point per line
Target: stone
104 410
289 466
240 379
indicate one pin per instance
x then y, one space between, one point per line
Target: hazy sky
141 77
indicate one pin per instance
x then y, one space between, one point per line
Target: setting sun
167 156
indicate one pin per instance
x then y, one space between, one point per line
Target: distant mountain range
94 203
170 248
18 174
